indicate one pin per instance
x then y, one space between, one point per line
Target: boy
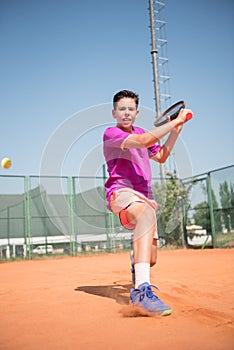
127 150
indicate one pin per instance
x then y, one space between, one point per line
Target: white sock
142 273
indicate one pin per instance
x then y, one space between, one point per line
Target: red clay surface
80 303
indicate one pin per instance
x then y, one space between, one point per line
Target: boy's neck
129 130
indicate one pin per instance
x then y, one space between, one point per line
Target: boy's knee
150 213
141 210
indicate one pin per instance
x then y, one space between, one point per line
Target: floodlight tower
161 77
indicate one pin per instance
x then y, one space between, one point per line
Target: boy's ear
113 113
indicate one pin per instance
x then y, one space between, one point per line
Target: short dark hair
124 94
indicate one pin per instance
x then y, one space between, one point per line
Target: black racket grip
172 117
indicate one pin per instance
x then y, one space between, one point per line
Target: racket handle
189 116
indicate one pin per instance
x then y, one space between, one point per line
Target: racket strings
170 114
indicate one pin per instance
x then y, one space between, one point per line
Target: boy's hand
184 115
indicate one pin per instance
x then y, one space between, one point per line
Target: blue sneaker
144 297
132 267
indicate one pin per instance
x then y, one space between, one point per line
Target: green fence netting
68 215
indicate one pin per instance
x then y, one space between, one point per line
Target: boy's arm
151 137
166 149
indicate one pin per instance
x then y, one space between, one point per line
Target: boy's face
125 113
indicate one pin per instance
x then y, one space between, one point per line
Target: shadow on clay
114 291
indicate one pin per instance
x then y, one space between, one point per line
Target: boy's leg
143 216
145 253
154 250
153 259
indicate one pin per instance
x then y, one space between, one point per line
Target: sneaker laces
147 291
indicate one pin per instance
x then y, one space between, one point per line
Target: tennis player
127 150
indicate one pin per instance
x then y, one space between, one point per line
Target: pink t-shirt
129 167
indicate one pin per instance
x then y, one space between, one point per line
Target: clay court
82 303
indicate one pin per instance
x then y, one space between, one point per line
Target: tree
202 216
226 199
169 195
202 213
217 214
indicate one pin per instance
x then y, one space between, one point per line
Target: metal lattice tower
159 55
161 77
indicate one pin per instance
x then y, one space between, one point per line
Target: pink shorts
121 199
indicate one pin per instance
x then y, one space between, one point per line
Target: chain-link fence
67 215
209 209
56 215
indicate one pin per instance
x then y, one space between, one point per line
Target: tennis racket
172 113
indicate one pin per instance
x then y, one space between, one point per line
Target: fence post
108 223
210 203
72 211
27 217
184 224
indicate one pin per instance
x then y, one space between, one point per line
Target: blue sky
60 59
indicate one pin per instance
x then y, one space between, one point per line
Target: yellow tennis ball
6 163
